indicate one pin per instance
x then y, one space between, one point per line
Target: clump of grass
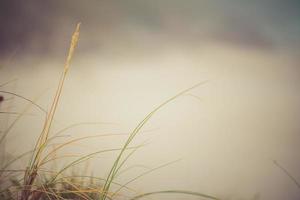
37 183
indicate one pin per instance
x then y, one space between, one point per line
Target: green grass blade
175 192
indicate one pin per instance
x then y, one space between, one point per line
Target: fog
134 55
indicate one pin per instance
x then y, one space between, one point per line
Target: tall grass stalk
32 169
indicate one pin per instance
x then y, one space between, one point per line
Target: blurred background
135 54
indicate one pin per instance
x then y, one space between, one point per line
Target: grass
287 173
38 183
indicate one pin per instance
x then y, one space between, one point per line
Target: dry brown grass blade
45 133
32 170
54 105
78 191
73 141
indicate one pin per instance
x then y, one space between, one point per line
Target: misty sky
266 24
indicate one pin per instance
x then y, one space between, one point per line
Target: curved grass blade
143 174
175 192
26 99
287 173
83 158
112 172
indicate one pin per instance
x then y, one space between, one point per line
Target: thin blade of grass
26 99
80 124
96 178
287 173
175 192
112 172
83 158
143 174
51 114
73 141
22 113
8 82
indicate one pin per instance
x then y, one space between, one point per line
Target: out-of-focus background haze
133 55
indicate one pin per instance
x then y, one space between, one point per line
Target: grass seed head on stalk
33 168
